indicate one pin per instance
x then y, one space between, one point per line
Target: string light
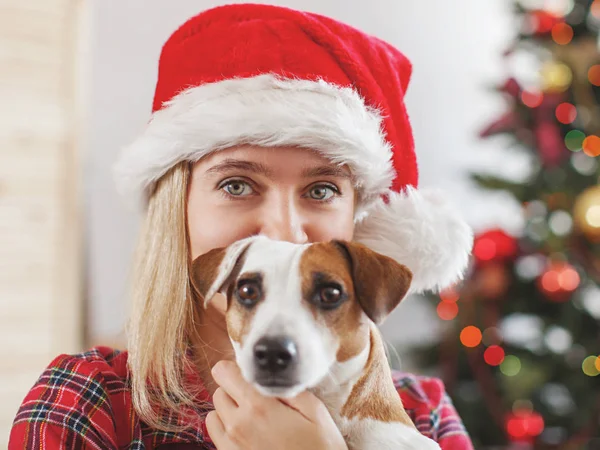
492 336
494 355
594 75
556 77
511 366
589 366
574 140
566 113
470 336
591 145
562 33
447 310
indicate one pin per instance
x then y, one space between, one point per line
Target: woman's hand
245 420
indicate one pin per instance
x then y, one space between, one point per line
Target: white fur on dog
369 434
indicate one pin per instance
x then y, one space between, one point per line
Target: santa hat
271 76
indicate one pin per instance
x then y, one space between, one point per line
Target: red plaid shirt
84 402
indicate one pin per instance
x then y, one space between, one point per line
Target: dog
305 316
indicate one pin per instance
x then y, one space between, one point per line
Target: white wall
455 47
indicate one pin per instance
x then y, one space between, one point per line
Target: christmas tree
520 353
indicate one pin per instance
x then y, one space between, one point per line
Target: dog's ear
379 281
212 272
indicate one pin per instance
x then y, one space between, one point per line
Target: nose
273 355
282 220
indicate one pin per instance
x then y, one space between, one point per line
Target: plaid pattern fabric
84 402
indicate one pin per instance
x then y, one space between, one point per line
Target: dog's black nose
275 354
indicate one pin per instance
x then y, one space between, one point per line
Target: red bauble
494 246
558 281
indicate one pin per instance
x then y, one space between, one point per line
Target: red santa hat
271 76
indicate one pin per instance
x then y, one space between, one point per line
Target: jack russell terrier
304 317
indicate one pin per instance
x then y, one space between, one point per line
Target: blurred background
504 104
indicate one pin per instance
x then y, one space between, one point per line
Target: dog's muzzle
275 361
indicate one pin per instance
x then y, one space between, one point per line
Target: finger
307 404
224 404
228 375
216 431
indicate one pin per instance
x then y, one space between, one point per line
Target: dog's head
294 312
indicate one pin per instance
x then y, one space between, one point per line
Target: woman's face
284 193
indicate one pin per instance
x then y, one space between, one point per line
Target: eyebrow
259 168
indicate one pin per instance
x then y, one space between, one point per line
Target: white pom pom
421 230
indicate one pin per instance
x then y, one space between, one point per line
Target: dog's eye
330 297
248 293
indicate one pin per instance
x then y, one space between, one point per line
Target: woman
265 121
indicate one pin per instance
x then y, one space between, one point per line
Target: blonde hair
162 310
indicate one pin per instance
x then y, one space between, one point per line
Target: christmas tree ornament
586 213
558 281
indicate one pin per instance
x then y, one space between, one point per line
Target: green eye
322 192
237 188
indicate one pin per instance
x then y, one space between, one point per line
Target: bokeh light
597 363
532 98
556 77
524 424
591 146
595 9
511 366
562 33
566 113
560 223
530 266
574 140
589 366
470 336
583 164
559 7
594 75
592 216
447 310
522 406
491 336
559 280
494 355
558 339
449 294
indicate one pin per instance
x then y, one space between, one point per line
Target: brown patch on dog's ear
215 270
379 281
205 269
